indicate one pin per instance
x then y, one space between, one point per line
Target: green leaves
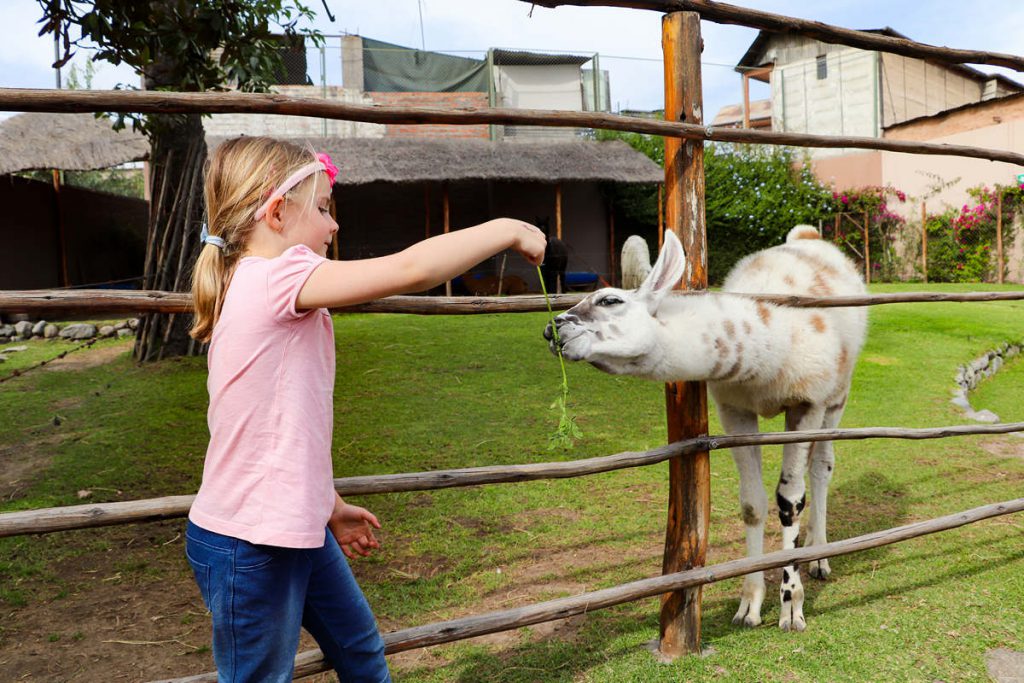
568 431
175 45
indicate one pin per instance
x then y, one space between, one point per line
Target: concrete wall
549 86
995 125
230 125
913 88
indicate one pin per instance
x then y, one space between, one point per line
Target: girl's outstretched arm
420 267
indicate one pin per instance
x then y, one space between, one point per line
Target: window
822 67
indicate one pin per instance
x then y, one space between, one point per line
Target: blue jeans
261 595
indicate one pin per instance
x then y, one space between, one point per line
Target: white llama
636 261
758 359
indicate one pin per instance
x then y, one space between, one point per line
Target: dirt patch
20 465
88 358
1010 447
122 605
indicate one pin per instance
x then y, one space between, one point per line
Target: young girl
266 533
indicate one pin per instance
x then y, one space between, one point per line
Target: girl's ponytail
209 282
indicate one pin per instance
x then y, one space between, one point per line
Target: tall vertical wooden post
867 251
689 505
426 211
924 240
62 248
558 228
999 236
447 228
661 215
613 265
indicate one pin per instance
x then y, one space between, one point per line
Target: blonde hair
240 175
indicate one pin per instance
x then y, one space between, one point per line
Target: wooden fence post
999 236
924 240
446 212
867 251
689 505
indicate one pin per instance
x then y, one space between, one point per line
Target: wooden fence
683 571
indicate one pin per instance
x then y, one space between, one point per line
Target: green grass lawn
421 393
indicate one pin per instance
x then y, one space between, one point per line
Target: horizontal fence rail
722 13
160 102
311 662
48 520
93 301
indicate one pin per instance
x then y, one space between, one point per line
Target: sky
628 40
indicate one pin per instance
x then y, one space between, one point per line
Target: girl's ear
665 274
275 215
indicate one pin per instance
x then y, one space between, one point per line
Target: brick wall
437 100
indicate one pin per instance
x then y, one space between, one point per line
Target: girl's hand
528 240
353 527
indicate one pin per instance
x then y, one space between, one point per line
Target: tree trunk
175 219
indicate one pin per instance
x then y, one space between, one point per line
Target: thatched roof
405 160
69 142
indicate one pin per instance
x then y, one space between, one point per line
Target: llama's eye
610 301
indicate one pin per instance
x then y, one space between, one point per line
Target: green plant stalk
567 430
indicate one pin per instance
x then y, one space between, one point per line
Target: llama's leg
822 463
753 507
791 496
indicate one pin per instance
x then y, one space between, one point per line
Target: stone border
24 330
968 376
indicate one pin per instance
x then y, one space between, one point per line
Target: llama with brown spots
758 359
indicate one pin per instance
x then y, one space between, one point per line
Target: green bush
962 243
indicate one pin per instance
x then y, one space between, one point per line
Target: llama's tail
803 232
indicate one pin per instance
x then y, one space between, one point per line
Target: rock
15 349
23 328
120 325
107 331
133 323
50 331
6 330
122 333
18 338
2 358
961 402
37 329
79 331
986 416
1005 666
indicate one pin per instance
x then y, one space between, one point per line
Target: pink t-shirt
268 477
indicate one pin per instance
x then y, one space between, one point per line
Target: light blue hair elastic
207 238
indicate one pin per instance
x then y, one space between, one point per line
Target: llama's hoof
746 616
819 569
791 616
794 623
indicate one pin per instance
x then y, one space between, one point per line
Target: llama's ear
666 273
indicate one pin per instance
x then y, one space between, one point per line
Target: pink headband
323 163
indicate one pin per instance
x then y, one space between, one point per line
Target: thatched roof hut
69 142
409 160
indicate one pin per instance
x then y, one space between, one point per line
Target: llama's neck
720 338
